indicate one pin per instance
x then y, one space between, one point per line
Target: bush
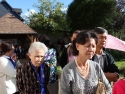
117 55
121 67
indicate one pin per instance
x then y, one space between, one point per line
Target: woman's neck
36 68
6 54
81 61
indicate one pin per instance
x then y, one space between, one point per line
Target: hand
14 57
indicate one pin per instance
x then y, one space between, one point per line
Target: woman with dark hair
67 55
7 69
51 57
81 75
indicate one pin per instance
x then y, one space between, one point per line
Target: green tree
87 14
50 17
119 18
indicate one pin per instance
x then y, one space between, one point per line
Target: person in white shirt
7 69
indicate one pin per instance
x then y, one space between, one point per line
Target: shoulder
52 50
120 82
26 70
69 71
3 60
70 68
50 55
107 54
109 57
24 67
94 65
67 45
70 65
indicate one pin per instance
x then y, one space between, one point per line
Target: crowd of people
84 62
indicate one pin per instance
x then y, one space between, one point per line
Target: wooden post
31 38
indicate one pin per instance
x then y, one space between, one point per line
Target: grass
121 67
120 64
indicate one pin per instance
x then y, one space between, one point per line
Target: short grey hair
37 46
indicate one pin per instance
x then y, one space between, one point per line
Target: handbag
101 89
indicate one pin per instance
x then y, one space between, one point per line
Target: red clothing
119 87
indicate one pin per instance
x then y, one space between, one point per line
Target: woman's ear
77 46
28 54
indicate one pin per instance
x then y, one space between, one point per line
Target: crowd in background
83 62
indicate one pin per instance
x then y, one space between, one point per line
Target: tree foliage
120 15
87 14
50 17
119 20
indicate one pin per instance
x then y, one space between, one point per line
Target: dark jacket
109 63
64 56
27 82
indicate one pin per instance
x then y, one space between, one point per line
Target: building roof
17 10
9 24
6 8
3 10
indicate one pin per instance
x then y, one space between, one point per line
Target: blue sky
28 4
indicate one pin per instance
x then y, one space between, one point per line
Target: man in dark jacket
105 60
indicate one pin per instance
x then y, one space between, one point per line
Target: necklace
83 70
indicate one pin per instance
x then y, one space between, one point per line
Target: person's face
37 57
87 50
73 37
102 38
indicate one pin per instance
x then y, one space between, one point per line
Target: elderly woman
33 77
81 75
7 69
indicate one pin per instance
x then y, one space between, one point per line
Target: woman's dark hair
6 46
82 38
46 40
100 30
75 32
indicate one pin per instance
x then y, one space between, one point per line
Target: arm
113 71
7 68
111 76
105 81
64 87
